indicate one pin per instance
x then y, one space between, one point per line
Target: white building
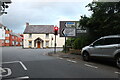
2 32
41 36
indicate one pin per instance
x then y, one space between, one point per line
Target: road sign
69 31
70 24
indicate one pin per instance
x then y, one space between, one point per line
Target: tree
104 20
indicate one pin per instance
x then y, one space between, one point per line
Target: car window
109 41
99 42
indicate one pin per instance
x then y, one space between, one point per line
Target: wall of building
51 39
2 33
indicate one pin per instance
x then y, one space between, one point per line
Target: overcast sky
37 12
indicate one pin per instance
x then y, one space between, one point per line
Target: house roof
39 29
14 34
1 25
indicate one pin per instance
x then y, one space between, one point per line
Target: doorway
38 45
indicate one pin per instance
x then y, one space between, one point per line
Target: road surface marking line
69 60
18 78
117 72
23 65
9 72
90 66
60 58
10 62
74 61
16 62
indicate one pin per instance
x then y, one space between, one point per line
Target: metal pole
55 45
65 43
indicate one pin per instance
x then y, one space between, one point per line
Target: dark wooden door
38 46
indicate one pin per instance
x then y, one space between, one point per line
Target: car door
110 46
95 48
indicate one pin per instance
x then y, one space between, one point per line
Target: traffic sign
69 31
70 24
72 29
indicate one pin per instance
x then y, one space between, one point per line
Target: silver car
104 47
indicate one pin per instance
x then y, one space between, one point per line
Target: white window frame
47 36
30 35
7 35
30 44
7 41
13 43
47 43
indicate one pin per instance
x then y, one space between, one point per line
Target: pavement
69 55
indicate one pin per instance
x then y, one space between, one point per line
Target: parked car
104 47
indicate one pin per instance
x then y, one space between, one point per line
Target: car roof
111 36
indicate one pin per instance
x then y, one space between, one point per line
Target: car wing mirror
92 45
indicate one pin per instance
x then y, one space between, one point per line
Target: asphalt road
34 63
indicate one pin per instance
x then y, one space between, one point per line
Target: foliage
104 20
80 42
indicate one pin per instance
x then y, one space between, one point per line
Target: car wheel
86 56
118 61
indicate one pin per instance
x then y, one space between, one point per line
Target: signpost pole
65 43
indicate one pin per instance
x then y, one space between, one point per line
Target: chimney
10 30
27 24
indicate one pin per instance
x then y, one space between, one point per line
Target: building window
6 41
2 35
13 43
20 43
47 36
47 43
16 43
2 41
30 35
12 37
30 43
6 35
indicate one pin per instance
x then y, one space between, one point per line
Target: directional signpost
71 29
69 32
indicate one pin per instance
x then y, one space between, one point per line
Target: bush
67 48
80 42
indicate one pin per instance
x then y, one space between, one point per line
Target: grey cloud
40 13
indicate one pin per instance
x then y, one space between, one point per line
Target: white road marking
23 65
60 58
18 78
74 61
16 62
117 72
90 66
2 70
8 74
71 61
